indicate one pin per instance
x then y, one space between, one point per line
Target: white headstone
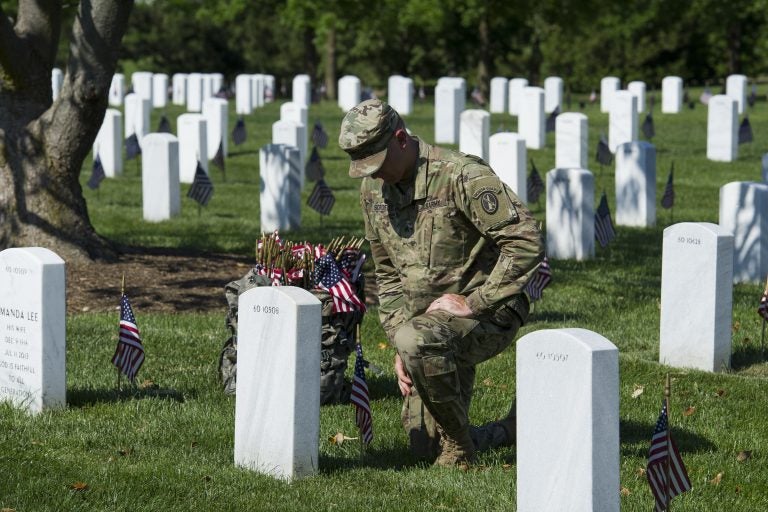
160 177
142 84
159 90
349 92
499 95
568 452
216 114
722 129
194 92
696 295
109 143
400 94
208 91
474 130
296 112
736 88
744 213
117 90
290 111
217 82
571 140
192 131
179 83
531 120
507 156
636 184
570 214
281 177
136 116
450 100
57 78
553 94
608 86
622 120
277 406
671 95
33 326
765 168
637 88
302 90
258 84
243 103
515 95
269 88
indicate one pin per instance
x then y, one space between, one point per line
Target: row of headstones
253 91
473 125
567 379
190 89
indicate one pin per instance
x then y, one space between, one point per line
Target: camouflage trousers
440 352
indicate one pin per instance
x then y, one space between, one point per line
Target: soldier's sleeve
390 288
500 216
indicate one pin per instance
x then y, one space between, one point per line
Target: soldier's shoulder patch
489 202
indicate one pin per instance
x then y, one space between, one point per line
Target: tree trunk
734 47
43 143
330 64
485 61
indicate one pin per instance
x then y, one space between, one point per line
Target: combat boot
509 424
456 450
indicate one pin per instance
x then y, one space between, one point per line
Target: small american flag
164 126
360 399
202 188
132 148
218 158
239 133
648 128
319 137
663 448
668 199
97 173
745 131
539 281
551 123
604 155
762 309
604 232
321 199
329 277
314 169
129 354
534 185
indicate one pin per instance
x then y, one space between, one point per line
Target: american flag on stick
202 187
321 199
762 309
360 398
129 354
539 281
534 184
329 277
604 232
668 199
664 459
319 137
97 173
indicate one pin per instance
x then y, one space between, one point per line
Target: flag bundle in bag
668 199
360 398
648 129
539 281
604 155
319 137
745 131
97 173
321 199
202 188
238 133
664 459
132 148
129 354
328 276
604 232
534 185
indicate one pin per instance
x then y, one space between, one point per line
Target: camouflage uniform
453 227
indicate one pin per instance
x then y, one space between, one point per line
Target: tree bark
485 61
330 64
43 143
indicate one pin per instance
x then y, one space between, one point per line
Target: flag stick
122 292
362 443
762 336
667 393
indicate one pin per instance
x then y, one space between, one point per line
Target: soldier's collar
422 170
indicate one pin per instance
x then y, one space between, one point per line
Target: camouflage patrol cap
365 134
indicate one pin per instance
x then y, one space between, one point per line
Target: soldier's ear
402 137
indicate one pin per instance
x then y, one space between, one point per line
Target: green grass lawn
168 445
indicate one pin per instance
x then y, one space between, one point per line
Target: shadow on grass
380 458
80 397
636 438
744 358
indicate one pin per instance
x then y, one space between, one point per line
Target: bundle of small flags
335 268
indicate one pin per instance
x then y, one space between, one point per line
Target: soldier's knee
408 339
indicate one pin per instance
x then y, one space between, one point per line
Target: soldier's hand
403 380
452 303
